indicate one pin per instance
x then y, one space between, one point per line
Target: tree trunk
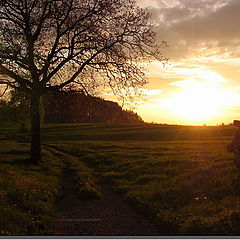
35 129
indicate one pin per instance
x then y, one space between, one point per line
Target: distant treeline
64 107
75 107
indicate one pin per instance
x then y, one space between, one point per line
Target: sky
200 84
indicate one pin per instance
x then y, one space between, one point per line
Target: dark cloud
172 11
174 15
189 25
204 40
222 24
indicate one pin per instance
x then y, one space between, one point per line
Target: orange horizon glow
203 97
201 83
201 101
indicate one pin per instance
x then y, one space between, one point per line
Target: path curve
109 216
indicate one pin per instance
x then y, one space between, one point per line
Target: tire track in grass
110 215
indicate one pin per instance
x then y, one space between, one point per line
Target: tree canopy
48 45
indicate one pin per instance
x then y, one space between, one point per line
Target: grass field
180 176
27 192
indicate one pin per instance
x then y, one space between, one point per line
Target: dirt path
109 216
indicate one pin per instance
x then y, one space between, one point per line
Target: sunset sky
201 82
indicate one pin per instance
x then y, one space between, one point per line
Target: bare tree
50 45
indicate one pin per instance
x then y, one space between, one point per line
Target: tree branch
23 82
75 75
4 91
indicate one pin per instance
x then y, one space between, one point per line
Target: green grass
86 183
27 192
180 176
184 183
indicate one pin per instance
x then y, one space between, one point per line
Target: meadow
180 176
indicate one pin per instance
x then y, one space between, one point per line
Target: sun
200 101
197 103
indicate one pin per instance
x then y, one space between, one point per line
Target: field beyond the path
179 176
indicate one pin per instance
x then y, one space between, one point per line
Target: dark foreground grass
184 184
86 183
27 192
181 176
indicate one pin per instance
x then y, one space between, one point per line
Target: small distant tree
49 45
19 106
15 109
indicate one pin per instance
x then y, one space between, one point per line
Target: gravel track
110 215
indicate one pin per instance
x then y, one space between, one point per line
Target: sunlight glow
201 100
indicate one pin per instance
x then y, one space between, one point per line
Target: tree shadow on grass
16 152
22 162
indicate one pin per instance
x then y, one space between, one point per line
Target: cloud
198 27
171 11
184 83
152 92
220 25
204 53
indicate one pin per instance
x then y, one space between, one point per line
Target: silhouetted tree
51 44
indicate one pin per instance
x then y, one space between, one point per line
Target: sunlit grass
86 183
27 192
184 184
180 176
